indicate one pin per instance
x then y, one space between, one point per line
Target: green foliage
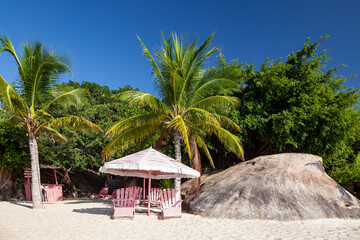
296 105
348 173
14 150
83 148
166 184
193 102
290 105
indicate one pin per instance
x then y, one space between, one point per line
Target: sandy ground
91 219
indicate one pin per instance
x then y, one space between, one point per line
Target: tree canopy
297 105
83 149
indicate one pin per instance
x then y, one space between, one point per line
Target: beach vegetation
298 104
83 148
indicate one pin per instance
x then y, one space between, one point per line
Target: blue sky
100 36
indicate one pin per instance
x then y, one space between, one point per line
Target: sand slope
90 219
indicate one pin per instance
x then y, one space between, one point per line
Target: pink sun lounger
155 196
170 207
124 204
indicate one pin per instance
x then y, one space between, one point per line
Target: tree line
295 104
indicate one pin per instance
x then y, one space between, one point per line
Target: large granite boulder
289 186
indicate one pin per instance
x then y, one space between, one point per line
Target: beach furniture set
127 198
150 164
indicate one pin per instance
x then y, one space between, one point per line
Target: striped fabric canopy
149 160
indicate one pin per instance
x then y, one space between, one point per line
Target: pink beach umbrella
149 163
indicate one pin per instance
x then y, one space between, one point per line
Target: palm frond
144 99
199 114
11 100
41 70
199 56
178 83
177 47
139 120
212 87
6 93
201 143
7 46
11 118
74 97
227 123
216 102
179 124
74 123
230 141
129 138
41 115
147 53
57 136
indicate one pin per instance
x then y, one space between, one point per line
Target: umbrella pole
144 190
149 186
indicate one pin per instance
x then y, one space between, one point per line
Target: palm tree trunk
195 162
35 172
177 158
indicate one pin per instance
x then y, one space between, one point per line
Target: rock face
289 186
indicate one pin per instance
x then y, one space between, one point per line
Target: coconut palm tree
31 105
193 103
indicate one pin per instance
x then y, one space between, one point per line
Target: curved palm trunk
195 162
177 158
35 173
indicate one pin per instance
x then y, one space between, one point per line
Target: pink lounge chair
102 194
170 208
124 204
112 196
155 196
137 195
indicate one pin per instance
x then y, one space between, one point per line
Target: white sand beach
91 219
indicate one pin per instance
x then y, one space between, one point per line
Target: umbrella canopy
139 164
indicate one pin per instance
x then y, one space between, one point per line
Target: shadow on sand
97 211
22 204
89 200
109 211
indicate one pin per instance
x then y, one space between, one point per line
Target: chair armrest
180 201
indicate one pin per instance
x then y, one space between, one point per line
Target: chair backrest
154 194
137 193
124 197
168 197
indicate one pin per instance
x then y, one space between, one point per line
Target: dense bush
298 105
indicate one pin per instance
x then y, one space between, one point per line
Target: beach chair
124 204
137 195
102 194
155 196
111 196
170 208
